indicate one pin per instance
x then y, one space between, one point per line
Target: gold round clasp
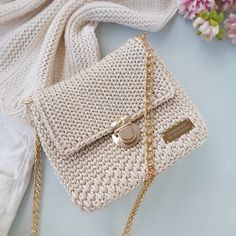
127 134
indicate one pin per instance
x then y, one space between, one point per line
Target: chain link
149 135
35 222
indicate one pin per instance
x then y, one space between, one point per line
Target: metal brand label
177 130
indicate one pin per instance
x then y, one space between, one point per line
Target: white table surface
196 196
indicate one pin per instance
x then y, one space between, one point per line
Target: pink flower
207 30
230 26
233 6
191 8
225 5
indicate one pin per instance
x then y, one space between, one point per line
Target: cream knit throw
43 42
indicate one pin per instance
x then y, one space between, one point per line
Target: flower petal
215 30
198 22
204 26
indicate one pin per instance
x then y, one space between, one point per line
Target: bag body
74 118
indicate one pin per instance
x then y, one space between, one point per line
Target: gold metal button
126 134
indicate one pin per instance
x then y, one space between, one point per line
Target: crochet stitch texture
73 121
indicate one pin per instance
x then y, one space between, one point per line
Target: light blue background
197 196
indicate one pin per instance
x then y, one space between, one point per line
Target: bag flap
78 111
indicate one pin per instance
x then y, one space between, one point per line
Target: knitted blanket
44 41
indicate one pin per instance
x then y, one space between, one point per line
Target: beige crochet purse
113 126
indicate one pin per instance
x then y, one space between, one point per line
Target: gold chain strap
37 190
149 135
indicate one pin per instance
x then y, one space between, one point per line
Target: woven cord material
80 170
149 128
35 221
149 133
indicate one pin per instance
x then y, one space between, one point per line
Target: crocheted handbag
115 125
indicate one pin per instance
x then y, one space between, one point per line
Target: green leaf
204 15
198 32
213 22
220 17
221 33
213 15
